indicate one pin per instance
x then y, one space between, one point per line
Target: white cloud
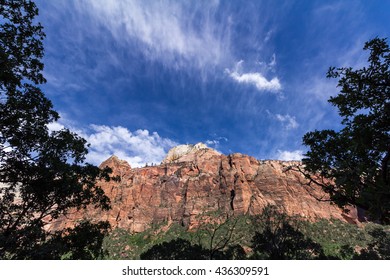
287 120
64 122
55 126
272 63
268 35
289 155
137 148
216 141
213 143
256 79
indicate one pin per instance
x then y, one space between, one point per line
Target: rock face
193 180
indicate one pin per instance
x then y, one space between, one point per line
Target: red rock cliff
194 180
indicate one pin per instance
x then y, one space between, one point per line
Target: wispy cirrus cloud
180 35
288 121
216 142
174 32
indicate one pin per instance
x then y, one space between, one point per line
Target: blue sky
135 78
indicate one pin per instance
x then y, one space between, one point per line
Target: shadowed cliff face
202 180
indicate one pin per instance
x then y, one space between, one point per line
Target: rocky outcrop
185 153
198 180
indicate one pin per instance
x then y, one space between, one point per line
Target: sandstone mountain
193 180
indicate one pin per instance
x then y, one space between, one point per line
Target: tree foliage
279 238
218 233
271 235
42 173
355 161
177 249
378 248
83 242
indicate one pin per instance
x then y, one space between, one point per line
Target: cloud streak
256 79
165 30
287 120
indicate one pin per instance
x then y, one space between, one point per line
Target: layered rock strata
193 181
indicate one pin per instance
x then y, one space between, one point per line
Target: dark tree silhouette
354 163
83 242
234 252
177 249
378 248
218 233
42 173
278 239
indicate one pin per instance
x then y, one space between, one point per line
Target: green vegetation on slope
272 235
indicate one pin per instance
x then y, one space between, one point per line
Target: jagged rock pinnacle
113 162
